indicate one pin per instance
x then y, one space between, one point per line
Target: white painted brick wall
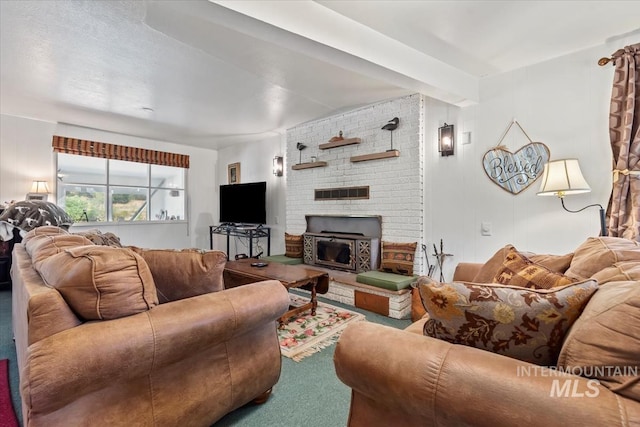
396 184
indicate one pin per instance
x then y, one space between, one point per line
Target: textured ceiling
211 74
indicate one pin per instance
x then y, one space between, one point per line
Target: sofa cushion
526 324
45 230
606 337
555 263
101 282
381 279
293 245
598 253
282 259
42 246
398 257
518 270
619 272
186 273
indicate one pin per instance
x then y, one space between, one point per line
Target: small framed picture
233 173
36 196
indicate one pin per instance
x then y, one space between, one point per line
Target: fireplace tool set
440 257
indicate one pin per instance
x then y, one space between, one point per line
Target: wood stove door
335 252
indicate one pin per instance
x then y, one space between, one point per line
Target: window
99 189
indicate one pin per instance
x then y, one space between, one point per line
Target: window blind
84 147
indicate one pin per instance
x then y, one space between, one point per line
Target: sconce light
446 140
277 166
564 177
39 191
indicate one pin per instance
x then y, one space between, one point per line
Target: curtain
623 212
118 152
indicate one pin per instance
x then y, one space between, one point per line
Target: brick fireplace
347 243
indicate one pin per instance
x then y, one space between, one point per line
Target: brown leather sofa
120 337
403 378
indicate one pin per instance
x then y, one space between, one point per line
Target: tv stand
249 231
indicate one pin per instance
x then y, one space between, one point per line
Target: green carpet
308 393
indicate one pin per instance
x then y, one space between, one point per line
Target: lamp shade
39 187
562 177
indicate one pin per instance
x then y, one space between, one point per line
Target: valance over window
84 147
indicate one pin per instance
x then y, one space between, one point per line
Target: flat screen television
243 203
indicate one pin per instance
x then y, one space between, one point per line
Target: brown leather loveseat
404 378
114 336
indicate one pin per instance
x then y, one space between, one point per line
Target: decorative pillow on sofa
101 282
525 324
97 237
518 270
398 257
293 245
555 263
29 214
180 274
598 253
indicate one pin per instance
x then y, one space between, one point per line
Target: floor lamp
564 177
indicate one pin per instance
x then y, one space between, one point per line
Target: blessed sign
514 172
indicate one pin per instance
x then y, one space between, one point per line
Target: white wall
26 154
256 165
563 103
396 186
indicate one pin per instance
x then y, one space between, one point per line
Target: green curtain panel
623 212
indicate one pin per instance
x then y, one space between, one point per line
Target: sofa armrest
466 271
94 355
445 384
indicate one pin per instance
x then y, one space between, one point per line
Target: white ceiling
215 73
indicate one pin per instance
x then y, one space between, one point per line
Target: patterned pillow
525 324
97 237
293 245
29 214
398 257
518 270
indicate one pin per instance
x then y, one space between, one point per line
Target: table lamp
562 178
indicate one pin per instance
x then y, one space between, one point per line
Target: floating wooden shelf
376 156
341 143
308 165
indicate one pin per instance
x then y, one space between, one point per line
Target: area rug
304 334
7 415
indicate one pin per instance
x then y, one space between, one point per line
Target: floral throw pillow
525 324
518 270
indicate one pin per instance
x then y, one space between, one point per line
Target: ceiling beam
379 56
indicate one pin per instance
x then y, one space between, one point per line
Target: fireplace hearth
348 243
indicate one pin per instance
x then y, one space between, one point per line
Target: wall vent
342 193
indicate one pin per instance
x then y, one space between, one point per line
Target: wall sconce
39 191
278 165
446 140
564 177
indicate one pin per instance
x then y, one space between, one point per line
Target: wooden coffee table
241 272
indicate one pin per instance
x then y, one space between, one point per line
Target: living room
561 101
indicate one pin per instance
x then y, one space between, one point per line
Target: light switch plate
485 228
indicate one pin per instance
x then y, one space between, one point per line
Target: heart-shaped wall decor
514 172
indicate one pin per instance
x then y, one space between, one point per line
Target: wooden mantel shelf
309 165
376 156
341 143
